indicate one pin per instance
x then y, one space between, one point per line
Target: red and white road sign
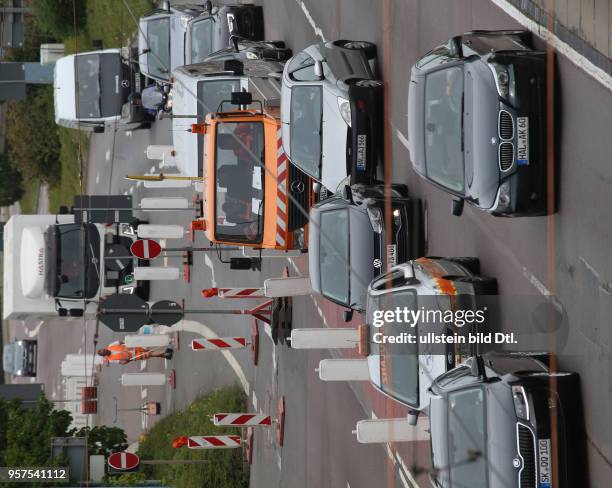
218 343
242 419
145 249
123 461
214 441
233 292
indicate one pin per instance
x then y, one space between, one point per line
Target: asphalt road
566 255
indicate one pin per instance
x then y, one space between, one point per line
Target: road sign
123 312
145 249
166 312
123 461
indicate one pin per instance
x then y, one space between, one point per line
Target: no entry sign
145 249
123 461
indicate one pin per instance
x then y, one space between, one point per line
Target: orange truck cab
252 196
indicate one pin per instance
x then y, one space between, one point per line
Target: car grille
526 447
401 240
506 155
506 126
378 253
300 187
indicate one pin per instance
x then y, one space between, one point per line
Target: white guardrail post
343 370
373 431
324 338
147 340
143 379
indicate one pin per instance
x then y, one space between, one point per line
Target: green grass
63 192
29 198
225 468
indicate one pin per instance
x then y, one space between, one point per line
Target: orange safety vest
121 352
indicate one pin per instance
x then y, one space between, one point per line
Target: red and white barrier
214 441
219 343
242 419
294 286
233 292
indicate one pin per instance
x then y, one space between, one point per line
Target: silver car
331 112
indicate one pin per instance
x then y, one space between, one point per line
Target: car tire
483 285
471 264
367 47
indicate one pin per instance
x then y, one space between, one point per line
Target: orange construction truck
252 196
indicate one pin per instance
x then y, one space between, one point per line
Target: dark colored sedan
347 242
476 121
490 421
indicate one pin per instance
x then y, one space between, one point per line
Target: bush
32 137
58 18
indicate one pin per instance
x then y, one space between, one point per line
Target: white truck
98 89
56 267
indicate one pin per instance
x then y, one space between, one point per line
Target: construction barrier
219 343
155 273
233 293
242 419
391 430
343 370
147 340
287 287
143 379
214 441
324 338
151 231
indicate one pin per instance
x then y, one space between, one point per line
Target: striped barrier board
242 419
233 292
214 441
218 343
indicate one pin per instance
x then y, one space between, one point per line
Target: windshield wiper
462 122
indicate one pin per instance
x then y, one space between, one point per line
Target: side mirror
242 98
457 208
165 5
318 69
208 6
62 312
234 40
316 187
412 417
75 312
347 315
347 193
477 368
454 46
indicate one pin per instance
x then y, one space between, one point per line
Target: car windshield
88 82
399 365
239 176
443 128
466 438
306 120
334 255
158 37
78 255
201 40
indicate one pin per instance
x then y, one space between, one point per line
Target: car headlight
504 197
502 78
19 372
251 55
521 405
345 110
397 217
376 219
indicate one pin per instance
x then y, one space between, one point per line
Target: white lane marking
131 190
279 461
80 350
535 282
125 192
570 53
139 183
317 30
268 330
143 365
143 393
107 155
208 262
152 171
97 177
205 331
254 400
402 138
34 332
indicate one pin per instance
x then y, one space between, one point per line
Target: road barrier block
324 338
242 419
147 340
156 273
373 431
343 370
287 287
178 203
151 231
143 379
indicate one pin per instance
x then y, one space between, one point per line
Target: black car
347 242
490 423
476 122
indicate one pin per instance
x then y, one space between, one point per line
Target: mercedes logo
125 83
297 186
516 462
377 263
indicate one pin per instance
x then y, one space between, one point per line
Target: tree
11 182
103 439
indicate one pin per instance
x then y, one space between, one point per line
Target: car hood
481 108
335 133
361 247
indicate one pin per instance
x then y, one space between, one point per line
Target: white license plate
137 82
522 141
545 463
391 254
362 143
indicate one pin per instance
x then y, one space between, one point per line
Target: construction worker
118 352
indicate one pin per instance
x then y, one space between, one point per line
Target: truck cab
56 266
97 89
253 196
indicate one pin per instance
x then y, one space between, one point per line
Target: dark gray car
490 423
347 245
476 123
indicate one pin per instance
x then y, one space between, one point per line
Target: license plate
522 139
391 254
544 462
137 82
362 141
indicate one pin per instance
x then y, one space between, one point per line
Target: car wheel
369 83
483 285
367 47
471 264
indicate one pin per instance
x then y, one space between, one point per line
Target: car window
433 57
201 40
301 68
306 119
443 128
334 254
456 377
158 37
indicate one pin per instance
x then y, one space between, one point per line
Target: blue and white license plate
544 461
362 145
522 141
